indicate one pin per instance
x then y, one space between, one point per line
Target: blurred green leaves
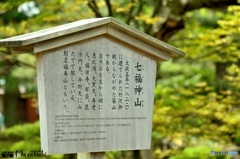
197 110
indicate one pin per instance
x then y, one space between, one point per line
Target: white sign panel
95 95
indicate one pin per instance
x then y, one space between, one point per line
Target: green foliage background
197 110
197 98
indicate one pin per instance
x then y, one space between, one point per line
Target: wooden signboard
96 81
97 96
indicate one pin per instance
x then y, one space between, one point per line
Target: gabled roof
84 29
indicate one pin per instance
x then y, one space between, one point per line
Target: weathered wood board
95 95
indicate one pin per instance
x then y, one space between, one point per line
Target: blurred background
197 98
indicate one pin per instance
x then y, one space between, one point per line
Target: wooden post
91 155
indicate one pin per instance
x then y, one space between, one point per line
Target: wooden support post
91 155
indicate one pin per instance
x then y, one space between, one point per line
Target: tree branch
156 10
193 4
92 4
109 6
138 13
130 15
139 8
177 8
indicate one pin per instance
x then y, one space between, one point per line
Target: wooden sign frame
123 37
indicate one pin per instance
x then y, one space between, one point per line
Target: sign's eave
82 25
54 32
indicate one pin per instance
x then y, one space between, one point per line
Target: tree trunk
221 70
11 102
220 73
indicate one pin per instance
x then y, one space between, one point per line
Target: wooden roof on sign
84 29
